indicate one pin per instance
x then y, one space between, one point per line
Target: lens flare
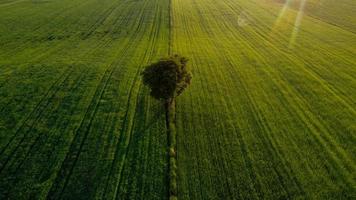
278 25
297 23
282 12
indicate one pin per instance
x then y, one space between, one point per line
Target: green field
270 113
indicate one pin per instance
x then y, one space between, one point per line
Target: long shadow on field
148 127
155 118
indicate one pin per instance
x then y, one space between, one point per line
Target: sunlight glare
282 12
297 23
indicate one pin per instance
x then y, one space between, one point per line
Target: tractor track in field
112 69
51 87
268 141
337 158
50 50
43 69
128 128
258 119
295 92
83 73
218 47
300 109
146 59
316 78
51 20
94 103
262 119
38 137
91 114
298 93
37 112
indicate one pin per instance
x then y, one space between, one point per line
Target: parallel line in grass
301 108
197 7
13 171
272 76
36 59
323 83
112 129
256 120
35 114
146 149
316 78
149 52
99 21
330 23
268 140
66 174
205 29
148 60
47 52
28 42
148 145
306 119
170 27
62 118
63 31
137 29
229 107
325 50
20 161
109 71
43 69
128 128
314 74
192 170
194 166
90 113
87 126
11 3
281 38
187 30
121 52
57 15
243 147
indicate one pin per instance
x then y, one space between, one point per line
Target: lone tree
167 78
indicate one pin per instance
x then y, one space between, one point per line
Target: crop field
270 112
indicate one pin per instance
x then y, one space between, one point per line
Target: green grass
262 120
75 122
270 113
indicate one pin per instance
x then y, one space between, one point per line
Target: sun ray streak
282 12
297 24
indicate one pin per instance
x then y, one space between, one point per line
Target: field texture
75 123
270 113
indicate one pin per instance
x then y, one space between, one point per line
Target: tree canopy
168 77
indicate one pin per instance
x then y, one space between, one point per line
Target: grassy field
262 119
75 122
270 113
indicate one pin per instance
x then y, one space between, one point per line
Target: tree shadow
158 115
156 118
